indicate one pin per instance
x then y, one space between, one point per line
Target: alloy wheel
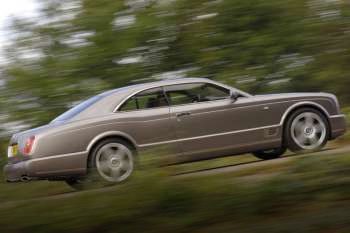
114 162
308 131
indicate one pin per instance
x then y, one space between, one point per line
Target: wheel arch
307 104
111 134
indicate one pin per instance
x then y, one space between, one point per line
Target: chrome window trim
116 109
205 102
144 109
226 98
231 89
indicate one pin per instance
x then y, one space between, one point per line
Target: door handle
183 114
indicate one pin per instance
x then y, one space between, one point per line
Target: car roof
141 86
111 100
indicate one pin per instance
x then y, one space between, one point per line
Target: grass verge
310 194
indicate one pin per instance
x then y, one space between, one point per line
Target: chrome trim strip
338 116
57 156
207 136
79 170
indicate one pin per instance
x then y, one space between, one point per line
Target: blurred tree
77 48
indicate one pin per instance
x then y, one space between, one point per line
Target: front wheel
306 130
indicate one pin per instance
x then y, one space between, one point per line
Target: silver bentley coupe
182 119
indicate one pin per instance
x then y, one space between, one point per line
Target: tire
270 154
110 162
307 129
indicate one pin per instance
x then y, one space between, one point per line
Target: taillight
29 145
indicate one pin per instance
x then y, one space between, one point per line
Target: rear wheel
270 154
110 162
306 130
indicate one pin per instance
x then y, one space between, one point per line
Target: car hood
296 95
292 96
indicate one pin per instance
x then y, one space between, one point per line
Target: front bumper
52 167
338 126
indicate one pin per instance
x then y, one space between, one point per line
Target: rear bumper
15 172
52 167
338 126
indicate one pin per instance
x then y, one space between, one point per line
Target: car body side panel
152 126
144 127
218 126
231 144
224 127
75 163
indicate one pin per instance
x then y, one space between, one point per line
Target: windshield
78 109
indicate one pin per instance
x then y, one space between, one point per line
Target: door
208 122
146 117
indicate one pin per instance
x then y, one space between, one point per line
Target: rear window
78 108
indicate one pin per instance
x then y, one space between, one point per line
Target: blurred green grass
305 194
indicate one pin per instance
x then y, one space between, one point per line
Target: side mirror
234 96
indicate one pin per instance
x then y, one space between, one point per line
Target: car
183 120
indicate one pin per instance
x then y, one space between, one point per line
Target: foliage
77 48
309 195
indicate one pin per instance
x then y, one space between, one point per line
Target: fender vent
271 132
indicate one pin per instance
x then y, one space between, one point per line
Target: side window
195 92
129 105
152 98
178 97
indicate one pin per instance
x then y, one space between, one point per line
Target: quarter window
195 92
152 98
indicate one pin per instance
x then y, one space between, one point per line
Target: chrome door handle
183 114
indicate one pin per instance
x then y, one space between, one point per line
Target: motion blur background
68 50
